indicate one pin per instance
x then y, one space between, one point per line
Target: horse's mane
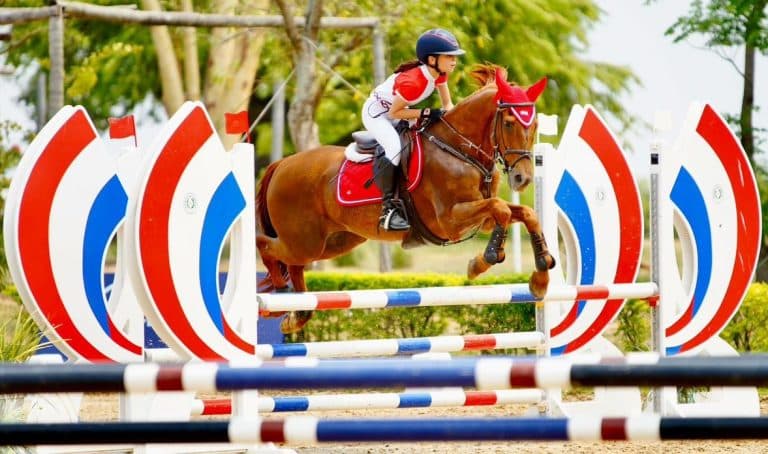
485 78
485 74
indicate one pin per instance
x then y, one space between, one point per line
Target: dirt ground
101 407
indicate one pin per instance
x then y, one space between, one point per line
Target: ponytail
407 65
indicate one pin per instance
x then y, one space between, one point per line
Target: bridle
497 150
499 154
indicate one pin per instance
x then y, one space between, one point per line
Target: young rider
411 83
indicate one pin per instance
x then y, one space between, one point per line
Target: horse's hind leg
296 273
275 267
296 320
335 245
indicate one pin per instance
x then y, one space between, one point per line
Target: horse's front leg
542 258
492 211
493 254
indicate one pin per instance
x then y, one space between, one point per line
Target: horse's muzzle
518 181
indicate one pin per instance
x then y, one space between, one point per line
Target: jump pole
304 430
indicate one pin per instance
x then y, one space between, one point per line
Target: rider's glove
431 115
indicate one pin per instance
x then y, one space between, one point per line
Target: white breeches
376 120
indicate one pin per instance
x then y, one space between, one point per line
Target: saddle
354 184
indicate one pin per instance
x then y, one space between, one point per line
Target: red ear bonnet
536 89
522 101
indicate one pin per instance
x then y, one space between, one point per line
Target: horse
300 221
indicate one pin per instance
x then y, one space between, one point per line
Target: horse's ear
500 73
536 89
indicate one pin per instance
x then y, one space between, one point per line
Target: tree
10 154
735 23
111 68
301 114
530 38
731 23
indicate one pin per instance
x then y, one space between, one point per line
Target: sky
632 34
673 74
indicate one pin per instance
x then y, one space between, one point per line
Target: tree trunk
748 101
168 65
191 62
301 112
747 109
232 64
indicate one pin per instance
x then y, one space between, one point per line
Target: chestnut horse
300 220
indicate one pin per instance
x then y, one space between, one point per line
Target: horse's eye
508 124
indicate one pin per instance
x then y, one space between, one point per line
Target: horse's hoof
538 284
476 267
295 321
269 314
286 289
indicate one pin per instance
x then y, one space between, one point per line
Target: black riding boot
392 217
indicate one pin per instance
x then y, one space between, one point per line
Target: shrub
401 259
410 322
748 329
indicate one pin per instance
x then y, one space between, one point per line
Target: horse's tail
264 224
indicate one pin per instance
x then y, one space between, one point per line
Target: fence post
278 122
379 70
56 51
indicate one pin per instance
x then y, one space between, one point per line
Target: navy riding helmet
437 42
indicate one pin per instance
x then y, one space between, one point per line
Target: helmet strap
435 66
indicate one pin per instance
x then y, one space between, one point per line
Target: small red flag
237 123
120 128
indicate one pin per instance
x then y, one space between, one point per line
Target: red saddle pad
350 186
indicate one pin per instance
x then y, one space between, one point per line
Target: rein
485 172
497 155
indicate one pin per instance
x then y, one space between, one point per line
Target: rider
411 83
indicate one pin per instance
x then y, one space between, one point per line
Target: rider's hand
432 115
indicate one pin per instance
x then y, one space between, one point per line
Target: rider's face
446 63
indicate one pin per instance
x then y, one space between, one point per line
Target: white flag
547 125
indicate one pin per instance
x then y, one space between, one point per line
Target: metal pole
42 101
379 61
56 51
278 123
379 74
517 259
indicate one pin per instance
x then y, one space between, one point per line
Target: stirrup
392 214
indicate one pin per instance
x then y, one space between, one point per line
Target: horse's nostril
518 179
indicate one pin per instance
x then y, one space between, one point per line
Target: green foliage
731 24
762 186
725 23
634 328
531 39
109 67
410 322
9 158
19 334
349 259
748 329
746 332
401 258
20 338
